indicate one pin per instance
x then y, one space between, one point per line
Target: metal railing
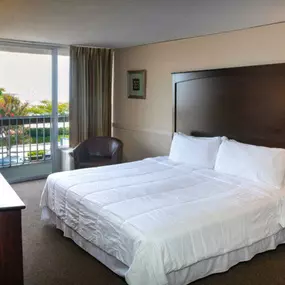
27 139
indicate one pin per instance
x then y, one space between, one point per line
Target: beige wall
145 125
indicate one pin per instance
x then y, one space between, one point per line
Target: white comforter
157 216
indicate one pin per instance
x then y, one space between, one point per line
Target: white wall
145 125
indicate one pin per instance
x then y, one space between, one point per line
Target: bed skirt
183 276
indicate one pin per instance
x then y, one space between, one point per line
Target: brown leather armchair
98 151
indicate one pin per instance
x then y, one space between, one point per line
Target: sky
29 76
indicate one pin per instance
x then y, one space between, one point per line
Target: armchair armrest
117 155
80 153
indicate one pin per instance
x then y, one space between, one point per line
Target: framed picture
137 84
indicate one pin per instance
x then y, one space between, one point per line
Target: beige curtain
90 93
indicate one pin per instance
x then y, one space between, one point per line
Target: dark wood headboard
244 103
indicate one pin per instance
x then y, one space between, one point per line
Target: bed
157 221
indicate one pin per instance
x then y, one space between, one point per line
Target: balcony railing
26 140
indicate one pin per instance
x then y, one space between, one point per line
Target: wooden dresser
11 253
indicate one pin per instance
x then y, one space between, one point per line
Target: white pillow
198 151
256 163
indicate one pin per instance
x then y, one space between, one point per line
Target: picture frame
137 84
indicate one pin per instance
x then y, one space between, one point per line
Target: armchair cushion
95 162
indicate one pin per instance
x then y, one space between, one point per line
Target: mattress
158 217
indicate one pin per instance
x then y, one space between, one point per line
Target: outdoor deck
25 146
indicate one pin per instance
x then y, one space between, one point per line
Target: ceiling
123 23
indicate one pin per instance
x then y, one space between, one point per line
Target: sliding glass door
29 110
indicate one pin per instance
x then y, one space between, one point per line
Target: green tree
45 108
10 106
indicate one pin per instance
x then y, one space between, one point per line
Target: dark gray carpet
51 259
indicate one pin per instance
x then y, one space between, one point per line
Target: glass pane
25 112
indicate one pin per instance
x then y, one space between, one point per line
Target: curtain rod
31 44
42 44
88 46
